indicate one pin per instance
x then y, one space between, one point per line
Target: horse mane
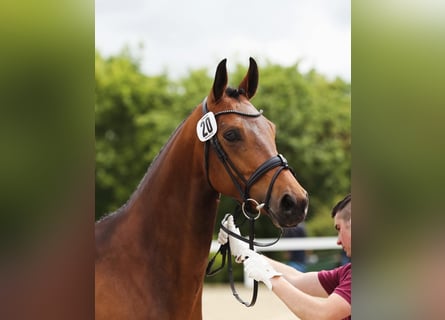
147 173
155 161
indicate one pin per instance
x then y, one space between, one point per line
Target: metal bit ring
258 207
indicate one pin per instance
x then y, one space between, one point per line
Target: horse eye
232 135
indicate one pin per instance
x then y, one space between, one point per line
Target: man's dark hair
341 205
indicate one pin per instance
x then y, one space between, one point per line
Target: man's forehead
338 221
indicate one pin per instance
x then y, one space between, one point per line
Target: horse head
241 158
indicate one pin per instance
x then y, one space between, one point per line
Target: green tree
312 117
136 113
132 124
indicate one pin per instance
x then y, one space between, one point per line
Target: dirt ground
219 304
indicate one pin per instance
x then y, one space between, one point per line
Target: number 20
206 127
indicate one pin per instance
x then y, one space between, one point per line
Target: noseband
248 203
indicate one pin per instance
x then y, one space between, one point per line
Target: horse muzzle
289 211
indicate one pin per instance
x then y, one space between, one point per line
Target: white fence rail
289 244
286 244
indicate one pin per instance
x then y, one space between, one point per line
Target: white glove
257 268
237 247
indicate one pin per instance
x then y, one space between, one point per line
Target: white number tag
206 127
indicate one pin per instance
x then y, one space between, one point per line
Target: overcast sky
178 35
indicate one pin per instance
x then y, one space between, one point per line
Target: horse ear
250 81
220 82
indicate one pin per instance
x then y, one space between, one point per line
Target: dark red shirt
337 281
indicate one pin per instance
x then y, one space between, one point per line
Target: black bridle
243 186
235 175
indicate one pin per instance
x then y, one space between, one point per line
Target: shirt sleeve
337 281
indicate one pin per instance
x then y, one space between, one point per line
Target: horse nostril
288 204
291 206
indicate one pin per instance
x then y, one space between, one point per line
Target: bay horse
151 254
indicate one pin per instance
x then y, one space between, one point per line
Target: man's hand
237 247
257 268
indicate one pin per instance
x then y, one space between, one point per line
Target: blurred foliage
136 113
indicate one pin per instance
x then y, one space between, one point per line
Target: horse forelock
241 104
234 93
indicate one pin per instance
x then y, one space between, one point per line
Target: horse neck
174 203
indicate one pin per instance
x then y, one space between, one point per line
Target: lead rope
232 283
225 252
226 255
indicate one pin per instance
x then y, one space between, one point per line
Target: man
310 295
